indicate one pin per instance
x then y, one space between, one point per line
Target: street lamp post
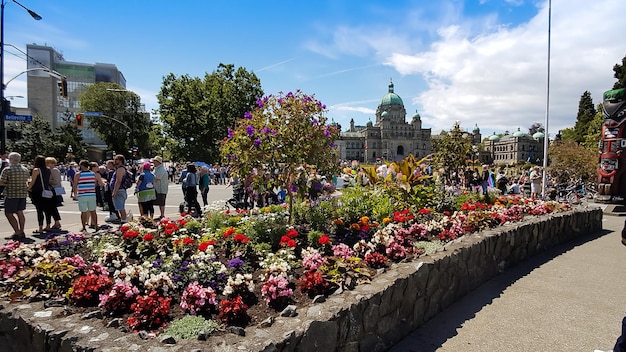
3 113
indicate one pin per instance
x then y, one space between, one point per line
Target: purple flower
247 115
250 130
157 263
235 263
293 188
315 122
230 133
326 132
331 144
257 142
259 103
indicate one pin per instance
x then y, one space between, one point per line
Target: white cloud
498 79
360 109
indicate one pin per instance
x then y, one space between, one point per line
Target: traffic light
63 87
79 120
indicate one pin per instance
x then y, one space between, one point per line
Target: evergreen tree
620 74
586 114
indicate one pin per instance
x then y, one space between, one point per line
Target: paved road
70 215
570 298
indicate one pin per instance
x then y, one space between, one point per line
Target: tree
68 134
451 150
198 112
536 127
286 133
570 161
37 139
591 136
586 113
620 74
123 124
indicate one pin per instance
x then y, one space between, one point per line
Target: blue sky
481 62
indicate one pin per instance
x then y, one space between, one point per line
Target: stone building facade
389 138
512 148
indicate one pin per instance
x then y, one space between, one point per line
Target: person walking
55 183
146 193
39 187
14 179
161 184
71 171
85 182
113 216
535 182
191 192
203 184
118 192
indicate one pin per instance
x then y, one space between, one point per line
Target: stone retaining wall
369 318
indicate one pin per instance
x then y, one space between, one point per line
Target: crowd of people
506 181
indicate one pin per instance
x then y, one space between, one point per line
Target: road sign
22 118
92 113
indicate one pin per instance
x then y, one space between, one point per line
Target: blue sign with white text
21 118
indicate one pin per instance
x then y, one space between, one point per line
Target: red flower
124 227
188 240
323 240
284 239
229 231
292 233
291 244
148 237
130 234
424 211
241 238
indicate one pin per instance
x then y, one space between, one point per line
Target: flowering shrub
375 260
234 312
150 312
313 283
119 298
276 290
87 288
196 297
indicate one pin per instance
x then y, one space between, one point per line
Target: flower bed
235 268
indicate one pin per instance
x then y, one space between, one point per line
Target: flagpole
546 139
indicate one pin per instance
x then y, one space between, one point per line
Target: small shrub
190 326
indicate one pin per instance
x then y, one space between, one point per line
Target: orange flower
355 226
386 220
339 222
365 220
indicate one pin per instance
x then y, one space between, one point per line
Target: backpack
127 180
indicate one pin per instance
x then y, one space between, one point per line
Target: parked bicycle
573 194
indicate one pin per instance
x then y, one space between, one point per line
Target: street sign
22 118
92 113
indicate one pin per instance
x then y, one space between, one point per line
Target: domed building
389 138
511 148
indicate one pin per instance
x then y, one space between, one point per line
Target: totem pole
612 153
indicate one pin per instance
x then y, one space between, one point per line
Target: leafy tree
68 134
198 112
536 127
570 161
620 74
451 150
37 139
586 113
124 124
286 133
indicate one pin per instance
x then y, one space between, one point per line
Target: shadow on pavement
434 333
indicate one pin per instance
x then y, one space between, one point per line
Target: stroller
238 199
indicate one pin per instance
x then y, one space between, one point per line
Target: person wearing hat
161 183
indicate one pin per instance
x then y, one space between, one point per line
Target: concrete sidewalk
569 298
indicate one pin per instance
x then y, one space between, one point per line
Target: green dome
416 116
538 135
494 137
519 133
391 97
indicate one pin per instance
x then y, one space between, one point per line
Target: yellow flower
365 220
386 220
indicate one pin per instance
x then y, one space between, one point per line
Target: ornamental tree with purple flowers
286 132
